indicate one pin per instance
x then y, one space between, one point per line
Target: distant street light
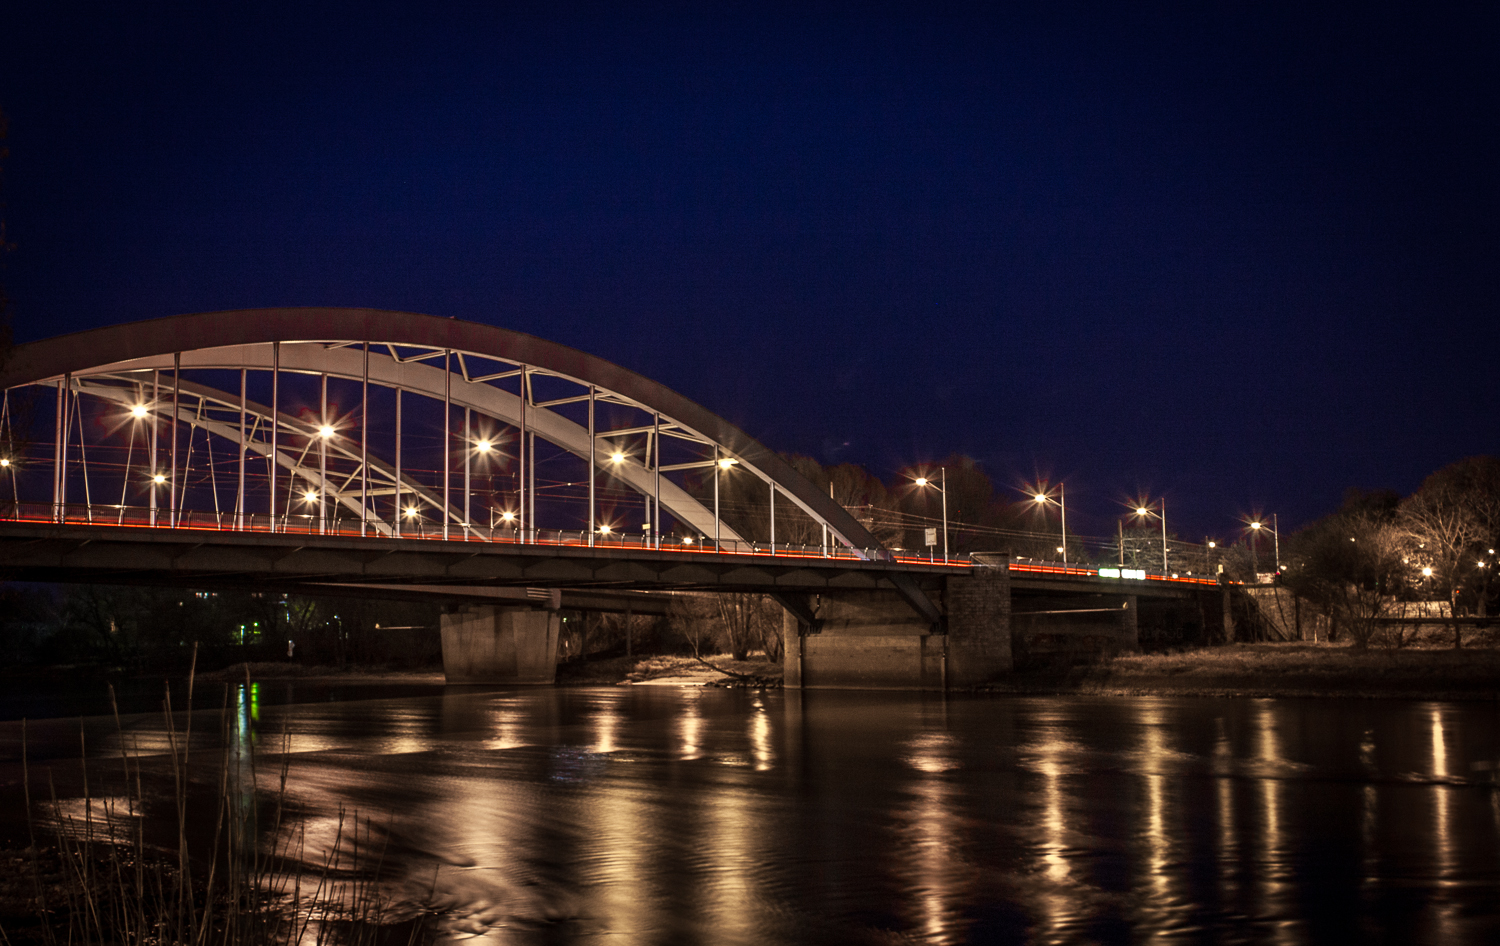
1144 511
1257 525
1042 498
942 487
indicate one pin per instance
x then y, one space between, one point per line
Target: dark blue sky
1245 254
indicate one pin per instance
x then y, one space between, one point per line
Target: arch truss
339 421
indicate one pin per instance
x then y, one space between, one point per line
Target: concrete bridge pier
499 644
874 640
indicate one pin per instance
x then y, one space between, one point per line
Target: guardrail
419 528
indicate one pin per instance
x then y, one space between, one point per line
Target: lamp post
1257 525
1042 498
942 487
1144 511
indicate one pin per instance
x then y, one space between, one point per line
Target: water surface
664 815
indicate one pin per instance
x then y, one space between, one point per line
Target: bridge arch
487 371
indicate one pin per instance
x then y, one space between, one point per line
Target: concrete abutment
874 640
494 644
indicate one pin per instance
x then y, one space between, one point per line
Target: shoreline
1258 670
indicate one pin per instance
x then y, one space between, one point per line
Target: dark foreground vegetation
193 842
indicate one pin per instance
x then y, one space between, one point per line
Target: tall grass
102 881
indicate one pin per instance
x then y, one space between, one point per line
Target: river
658 814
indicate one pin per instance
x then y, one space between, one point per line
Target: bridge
306 449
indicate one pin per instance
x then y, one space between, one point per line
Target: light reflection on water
658 815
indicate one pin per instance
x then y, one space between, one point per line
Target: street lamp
1042 498
1257 525
942 487
1144 511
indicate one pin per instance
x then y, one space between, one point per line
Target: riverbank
1261 669
1278 669
660 670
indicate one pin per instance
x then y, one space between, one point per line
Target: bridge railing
111 514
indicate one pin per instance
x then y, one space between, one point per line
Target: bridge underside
847 625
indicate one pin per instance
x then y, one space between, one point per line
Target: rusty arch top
105 349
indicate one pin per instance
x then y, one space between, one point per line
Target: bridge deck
48 551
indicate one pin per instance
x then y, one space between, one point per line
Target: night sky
1243 254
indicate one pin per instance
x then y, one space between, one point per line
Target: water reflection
930 847
1273 907
690 728
1443 854
1163 903
606 721
656 815
1057 902
760 736
1228 836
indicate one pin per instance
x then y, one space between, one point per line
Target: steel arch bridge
371 423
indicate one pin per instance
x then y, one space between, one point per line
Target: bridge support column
978 626
874 640
1130 625
865 640
491 644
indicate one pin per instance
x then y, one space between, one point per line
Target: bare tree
1354 564
747 620
1451 525
694 619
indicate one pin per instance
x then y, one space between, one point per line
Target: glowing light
4 461
138 410
310 496
326 432
507 517
1213 545
1427 573
411 512
1255 525
727 462
1059 548
687 540
604 530
921 481
1142 511
159 478
619 457
1040 497
484 446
